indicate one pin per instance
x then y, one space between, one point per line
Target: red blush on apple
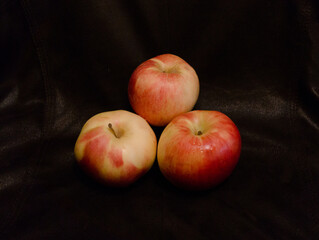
116 157
91 134
94 152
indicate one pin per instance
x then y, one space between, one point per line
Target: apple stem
199 132
112 130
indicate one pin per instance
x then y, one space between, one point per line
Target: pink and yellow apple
116 147
199 149
162 88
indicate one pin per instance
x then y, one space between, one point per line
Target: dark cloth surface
62 62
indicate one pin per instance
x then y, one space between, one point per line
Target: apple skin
199 162
162 88
119 159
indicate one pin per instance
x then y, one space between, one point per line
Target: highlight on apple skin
116 147
162 88
198 150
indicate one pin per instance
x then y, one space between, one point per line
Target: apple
116 147
199 149
162 88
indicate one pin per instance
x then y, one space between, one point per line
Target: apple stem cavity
112 129
199 133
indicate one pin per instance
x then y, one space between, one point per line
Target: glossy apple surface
162 88
199 149
116 147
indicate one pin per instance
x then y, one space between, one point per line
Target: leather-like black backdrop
64 61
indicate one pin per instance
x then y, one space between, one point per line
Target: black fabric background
64 61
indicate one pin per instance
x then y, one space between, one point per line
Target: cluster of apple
197 149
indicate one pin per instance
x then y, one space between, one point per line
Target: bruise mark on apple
116 157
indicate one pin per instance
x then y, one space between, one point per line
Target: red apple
116 147
199 149
162 88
